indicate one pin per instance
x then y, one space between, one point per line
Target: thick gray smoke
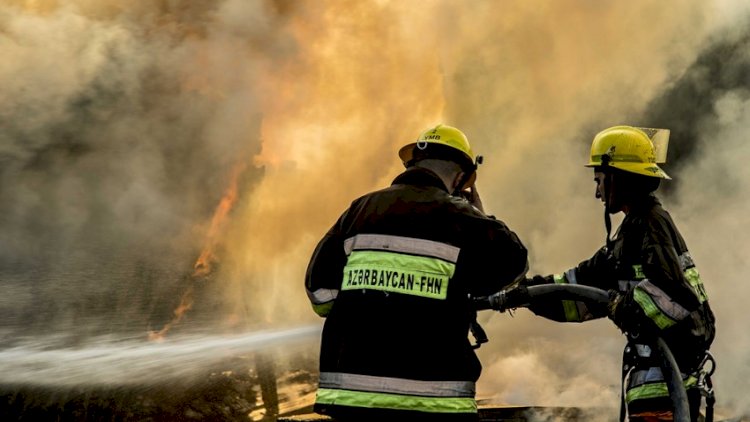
713 200
119 133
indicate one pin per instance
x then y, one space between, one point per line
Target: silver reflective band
671 308
571 276
375 384
408 245
583 311
626 285
649 375
643 350
321 296
686 261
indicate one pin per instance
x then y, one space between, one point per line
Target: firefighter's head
625 166
448 145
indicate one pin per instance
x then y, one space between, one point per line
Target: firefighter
393 278
655 288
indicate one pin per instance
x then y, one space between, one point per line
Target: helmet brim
644 169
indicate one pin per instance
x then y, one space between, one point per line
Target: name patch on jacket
406 282
397 273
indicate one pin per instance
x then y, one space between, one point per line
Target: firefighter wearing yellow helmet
654 285
446 143
393 278
628 149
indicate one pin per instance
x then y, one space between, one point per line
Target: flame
186 302
207 259
205 262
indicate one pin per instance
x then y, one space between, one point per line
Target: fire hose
501 301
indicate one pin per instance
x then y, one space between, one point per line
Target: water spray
108 362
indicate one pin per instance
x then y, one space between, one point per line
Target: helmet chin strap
607 219
608 226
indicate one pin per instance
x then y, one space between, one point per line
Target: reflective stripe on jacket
395 393
393 278
663 293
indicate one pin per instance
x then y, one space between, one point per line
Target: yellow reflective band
569 306
560 279
571 311
324 309
694 278
654 390
396 401
638 272
397 273
651 310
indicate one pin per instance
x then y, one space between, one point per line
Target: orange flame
186 302
204 265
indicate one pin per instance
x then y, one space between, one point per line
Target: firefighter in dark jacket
655 288
394 278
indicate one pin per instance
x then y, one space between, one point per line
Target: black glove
512 298
615 309
536 280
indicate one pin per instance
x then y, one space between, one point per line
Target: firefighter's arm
324 272
472 195
588 273
504 256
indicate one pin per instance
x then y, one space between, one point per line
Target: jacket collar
645 203
419 176
643 206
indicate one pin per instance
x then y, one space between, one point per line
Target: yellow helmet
626 148
445 136
439 135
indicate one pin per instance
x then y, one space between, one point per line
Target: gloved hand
536 280
474 199
615 308
512 298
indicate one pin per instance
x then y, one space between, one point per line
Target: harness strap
706 386
480 336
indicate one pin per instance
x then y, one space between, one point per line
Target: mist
123 128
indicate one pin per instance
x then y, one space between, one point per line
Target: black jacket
662 295
393 276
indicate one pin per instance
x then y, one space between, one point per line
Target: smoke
122 126
714 201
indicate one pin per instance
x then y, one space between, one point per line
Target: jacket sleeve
325 270
501 261
591 272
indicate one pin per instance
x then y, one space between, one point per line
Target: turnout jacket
393 277
650 265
